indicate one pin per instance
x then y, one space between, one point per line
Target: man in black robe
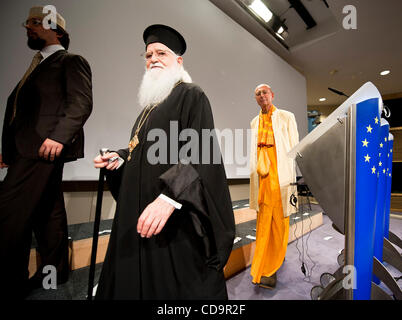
174 227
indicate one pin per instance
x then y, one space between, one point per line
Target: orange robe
272 228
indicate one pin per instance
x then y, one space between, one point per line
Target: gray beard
157 84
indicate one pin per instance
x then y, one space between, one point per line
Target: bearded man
174 227
43 129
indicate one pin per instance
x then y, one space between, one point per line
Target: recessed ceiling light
385 72
259 8
322 99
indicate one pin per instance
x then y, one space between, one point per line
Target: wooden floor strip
240 258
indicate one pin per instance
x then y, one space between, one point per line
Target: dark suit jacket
54 102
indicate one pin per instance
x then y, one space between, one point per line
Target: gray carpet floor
318 250
321 249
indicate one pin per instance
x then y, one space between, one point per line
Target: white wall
223 58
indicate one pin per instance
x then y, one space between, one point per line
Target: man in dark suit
43 129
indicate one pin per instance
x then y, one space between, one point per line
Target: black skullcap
166 35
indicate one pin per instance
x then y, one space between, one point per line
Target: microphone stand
338 92
386 110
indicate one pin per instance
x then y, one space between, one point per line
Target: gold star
373 169
381 145
376 120
390 150
380 164
383 171
369 128
388 155
385 139
367 158
365 143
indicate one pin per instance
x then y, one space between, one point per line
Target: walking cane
96 230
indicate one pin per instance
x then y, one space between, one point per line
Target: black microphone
338 92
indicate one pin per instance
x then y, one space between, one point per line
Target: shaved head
264 97
261 86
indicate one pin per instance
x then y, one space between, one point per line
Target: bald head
263 85
264 97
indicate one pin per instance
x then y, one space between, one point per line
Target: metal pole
350 187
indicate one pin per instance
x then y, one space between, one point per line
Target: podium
344 162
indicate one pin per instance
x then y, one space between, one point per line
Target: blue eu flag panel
368 124
381 193
388 175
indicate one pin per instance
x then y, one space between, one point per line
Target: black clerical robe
186 260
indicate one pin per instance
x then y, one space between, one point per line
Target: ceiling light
322 99
279 27
261 10
279 36
385 72
282 31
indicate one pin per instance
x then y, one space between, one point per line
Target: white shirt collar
49 50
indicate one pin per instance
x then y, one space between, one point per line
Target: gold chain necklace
134 140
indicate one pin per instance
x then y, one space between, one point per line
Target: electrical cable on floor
309 272
293 202
304 266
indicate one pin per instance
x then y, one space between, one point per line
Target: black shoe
268 282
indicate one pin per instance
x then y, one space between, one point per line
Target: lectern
340 161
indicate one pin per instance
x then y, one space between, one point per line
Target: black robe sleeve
202 187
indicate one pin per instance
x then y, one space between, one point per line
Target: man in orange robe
271 185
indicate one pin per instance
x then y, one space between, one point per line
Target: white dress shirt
49 50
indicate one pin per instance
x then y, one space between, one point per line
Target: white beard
157 83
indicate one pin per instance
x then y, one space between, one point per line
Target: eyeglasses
258 93
160 54
33 22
